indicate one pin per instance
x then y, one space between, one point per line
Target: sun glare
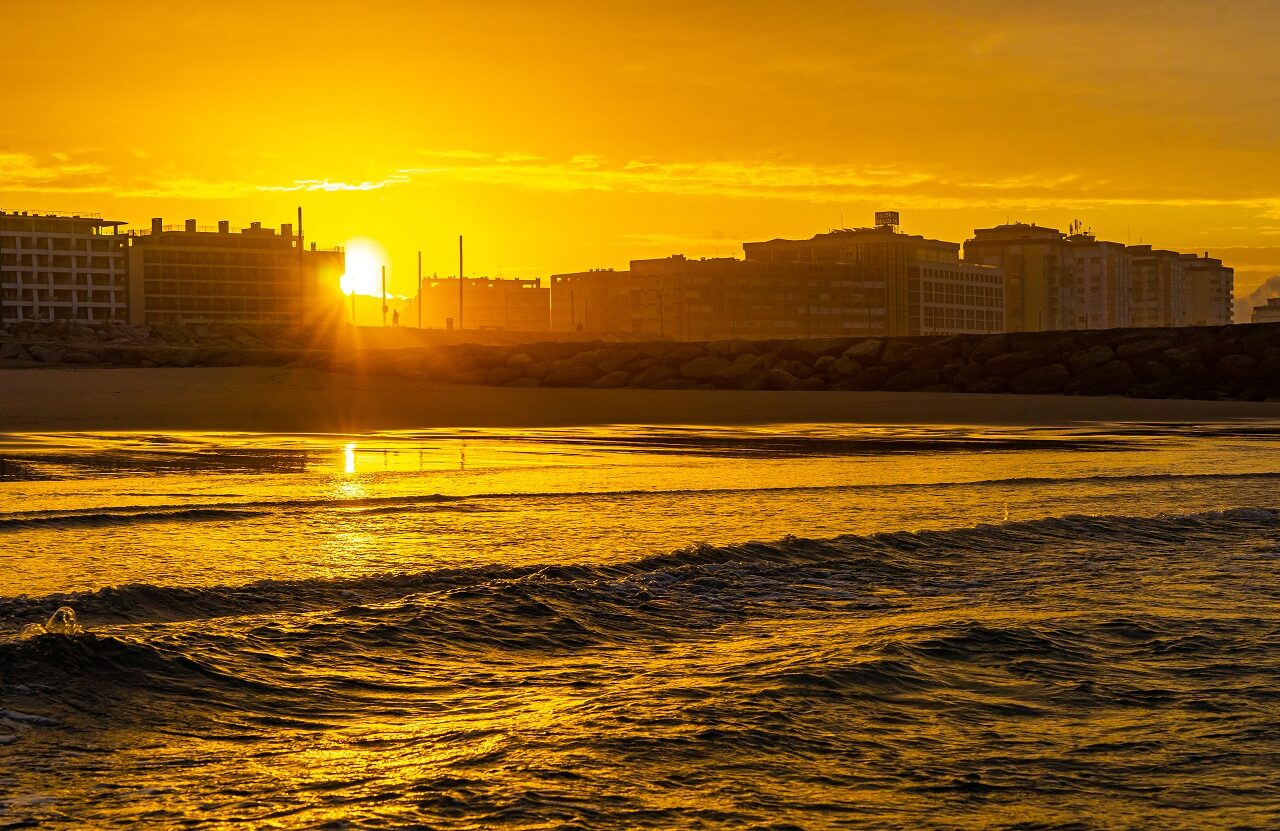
365 259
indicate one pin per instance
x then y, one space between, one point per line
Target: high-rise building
189 274
1102 283
1159 290
61 267
495 304
906 264
1207 290
1039 289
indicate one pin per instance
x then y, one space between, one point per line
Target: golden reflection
349 458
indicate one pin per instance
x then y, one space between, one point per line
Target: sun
365 259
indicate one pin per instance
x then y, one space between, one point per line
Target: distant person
395 318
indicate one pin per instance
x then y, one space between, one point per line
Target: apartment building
1208 291
901 262
1039 289
191 274
1102 281
1159 290
57 267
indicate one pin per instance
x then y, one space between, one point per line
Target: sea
799 626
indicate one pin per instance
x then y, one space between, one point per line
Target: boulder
1042 380
704 368
1009 364
684 353
912 379
989 347
900 353
500 376
780 379
969 375
1234 367
46 354
1182 355
1143 347
844 369
653 376
1112 378
865 352
813 383
615 359
570 374
80 357
1091 357
612 381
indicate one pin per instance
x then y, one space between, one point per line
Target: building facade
189 274
727 298
1269 313
1209 289
1102 281
1159 290
881 253
494 304
59 267
1038 264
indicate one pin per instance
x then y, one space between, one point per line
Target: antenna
419 289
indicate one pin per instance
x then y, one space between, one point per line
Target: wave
103 519
373 505
853 562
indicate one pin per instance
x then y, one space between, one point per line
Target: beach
283 399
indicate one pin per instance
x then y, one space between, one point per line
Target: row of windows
12 261
44 243
218 304
30 296
204 259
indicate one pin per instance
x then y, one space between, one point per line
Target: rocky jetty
1241 362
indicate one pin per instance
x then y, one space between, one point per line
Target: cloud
1258 297
802 182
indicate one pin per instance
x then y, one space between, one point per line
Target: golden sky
560 136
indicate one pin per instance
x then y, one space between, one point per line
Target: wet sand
275 399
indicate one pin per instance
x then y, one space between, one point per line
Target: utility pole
302 275
419 289
384 297
461 280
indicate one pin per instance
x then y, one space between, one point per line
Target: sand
274 399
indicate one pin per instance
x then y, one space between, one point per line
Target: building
959 293
604 300
1038 263
726 298
1102 281
1159 290
189 274
1270 313
62 267
509 305
1208 291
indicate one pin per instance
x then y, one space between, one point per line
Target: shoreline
297 400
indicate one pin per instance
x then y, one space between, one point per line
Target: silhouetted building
510 305
1208 288
604 300
928 290
188 274
1269 313
60 267
1039 290
1102 281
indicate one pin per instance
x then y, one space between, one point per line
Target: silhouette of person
395 318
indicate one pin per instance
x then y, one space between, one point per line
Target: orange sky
560 136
